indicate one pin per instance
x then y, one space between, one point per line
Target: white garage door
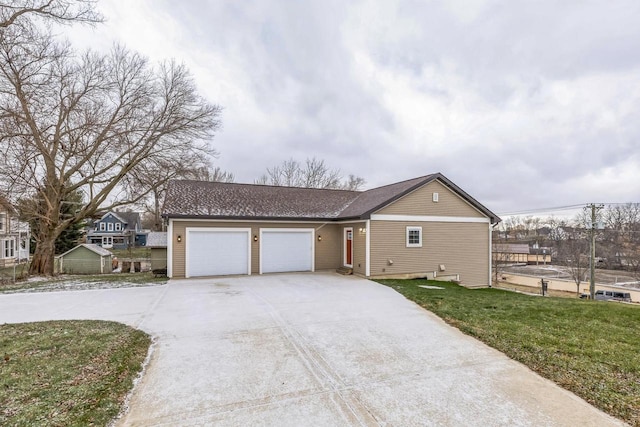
284 250
217 251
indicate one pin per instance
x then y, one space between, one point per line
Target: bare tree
313 174
62 11
213 175
500 257
287 174
353 183
575 254
620 240
85 122
152 177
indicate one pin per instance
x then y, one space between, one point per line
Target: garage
286 249
217 251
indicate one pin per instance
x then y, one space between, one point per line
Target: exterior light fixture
179 239
255 237
319 238
363 230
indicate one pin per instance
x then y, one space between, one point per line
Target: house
511 252
423 227
520 253
85 259
14 236
539 255
118 230
157 243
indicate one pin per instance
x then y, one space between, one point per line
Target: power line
538 210
561 208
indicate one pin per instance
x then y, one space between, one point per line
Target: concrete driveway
312 350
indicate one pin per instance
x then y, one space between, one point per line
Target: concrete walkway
312 350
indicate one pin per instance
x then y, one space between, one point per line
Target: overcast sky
523 104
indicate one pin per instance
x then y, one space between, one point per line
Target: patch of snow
429 287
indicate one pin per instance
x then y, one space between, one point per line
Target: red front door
348 247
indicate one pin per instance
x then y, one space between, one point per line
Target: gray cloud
523 104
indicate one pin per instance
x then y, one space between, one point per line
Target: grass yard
20 271
591 348
534 290
67 373
139 252
84 282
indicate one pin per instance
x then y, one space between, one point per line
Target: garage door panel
217 252
284 251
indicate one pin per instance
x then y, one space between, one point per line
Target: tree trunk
43 258
156 212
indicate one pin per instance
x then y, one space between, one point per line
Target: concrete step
474 286
344 271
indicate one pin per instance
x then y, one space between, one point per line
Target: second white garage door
283 250
217 251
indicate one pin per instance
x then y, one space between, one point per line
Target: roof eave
250 218
427 180
493 218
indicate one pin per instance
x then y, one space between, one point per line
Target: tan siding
420 202
359 248
158 258
463 248
327 252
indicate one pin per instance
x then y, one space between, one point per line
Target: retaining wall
567 285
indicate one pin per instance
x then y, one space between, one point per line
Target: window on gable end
414 237
102 226
110 226
118 226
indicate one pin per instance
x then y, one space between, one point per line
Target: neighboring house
539 256
425 226
517 253
85 259
117 230
14 236
157 242
520 253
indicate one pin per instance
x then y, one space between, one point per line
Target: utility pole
592 259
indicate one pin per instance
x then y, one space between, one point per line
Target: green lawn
139 252
19 271
84 282
67 373
591 348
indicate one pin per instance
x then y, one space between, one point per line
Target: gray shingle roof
97 249
131 218
157 239
93 248
189 199
513 248
217 199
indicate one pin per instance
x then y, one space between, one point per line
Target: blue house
118 230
